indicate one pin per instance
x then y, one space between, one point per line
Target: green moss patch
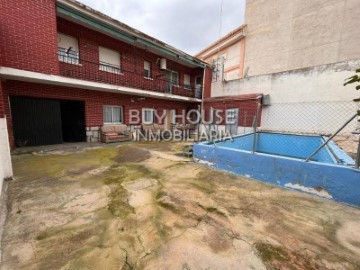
131 154
270 253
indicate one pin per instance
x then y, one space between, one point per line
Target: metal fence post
255 127
357 162
330 138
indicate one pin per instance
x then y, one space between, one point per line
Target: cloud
188 25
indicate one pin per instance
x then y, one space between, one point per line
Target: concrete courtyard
145 206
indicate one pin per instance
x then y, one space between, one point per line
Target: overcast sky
188 25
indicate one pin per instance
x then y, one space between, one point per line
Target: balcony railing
72 66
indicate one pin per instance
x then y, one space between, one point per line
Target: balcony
73 67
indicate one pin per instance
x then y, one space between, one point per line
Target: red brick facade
28 35
247 106
132 62
28 41
94 101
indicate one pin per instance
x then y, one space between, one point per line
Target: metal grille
130 74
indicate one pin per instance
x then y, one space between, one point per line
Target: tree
354 79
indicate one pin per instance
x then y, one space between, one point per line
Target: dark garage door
45 121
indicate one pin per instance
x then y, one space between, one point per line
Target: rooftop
77 12
226 40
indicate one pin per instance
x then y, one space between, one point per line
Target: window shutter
187 79
65 42
109 57
187 84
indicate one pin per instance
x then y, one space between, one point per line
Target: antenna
221 10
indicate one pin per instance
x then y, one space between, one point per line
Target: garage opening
73 121
46 121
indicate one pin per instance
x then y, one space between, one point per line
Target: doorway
39 121
73 121
198 86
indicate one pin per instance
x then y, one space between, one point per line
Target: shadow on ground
142 206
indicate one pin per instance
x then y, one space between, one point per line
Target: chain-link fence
299 129
316 118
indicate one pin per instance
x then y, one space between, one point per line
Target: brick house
66 70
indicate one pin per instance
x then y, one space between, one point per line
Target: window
172 79
175 78
187 84
198 81
109 60
147 116
147 69
113 114
68 49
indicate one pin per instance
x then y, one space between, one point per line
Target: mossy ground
128 207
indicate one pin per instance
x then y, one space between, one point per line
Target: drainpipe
357 163
202 97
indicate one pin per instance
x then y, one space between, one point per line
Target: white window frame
107 67
149 71
112 114
172 72
187 86
67 55
143 115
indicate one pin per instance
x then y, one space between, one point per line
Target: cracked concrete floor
141 206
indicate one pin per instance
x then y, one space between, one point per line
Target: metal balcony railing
129 74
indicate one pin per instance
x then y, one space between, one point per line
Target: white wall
320 83
304 100
5 158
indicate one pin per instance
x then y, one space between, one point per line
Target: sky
188 25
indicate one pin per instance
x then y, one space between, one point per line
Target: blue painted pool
280 159
290 145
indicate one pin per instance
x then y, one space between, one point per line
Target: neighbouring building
293 58
66 70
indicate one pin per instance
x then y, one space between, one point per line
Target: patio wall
5 159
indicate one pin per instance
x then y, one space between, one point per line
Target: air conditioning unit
266 100
163 63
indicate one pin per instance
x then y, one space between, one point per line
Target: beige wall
232 59
291 34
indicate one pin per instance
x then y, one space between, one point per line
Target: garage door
46 121
36 121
